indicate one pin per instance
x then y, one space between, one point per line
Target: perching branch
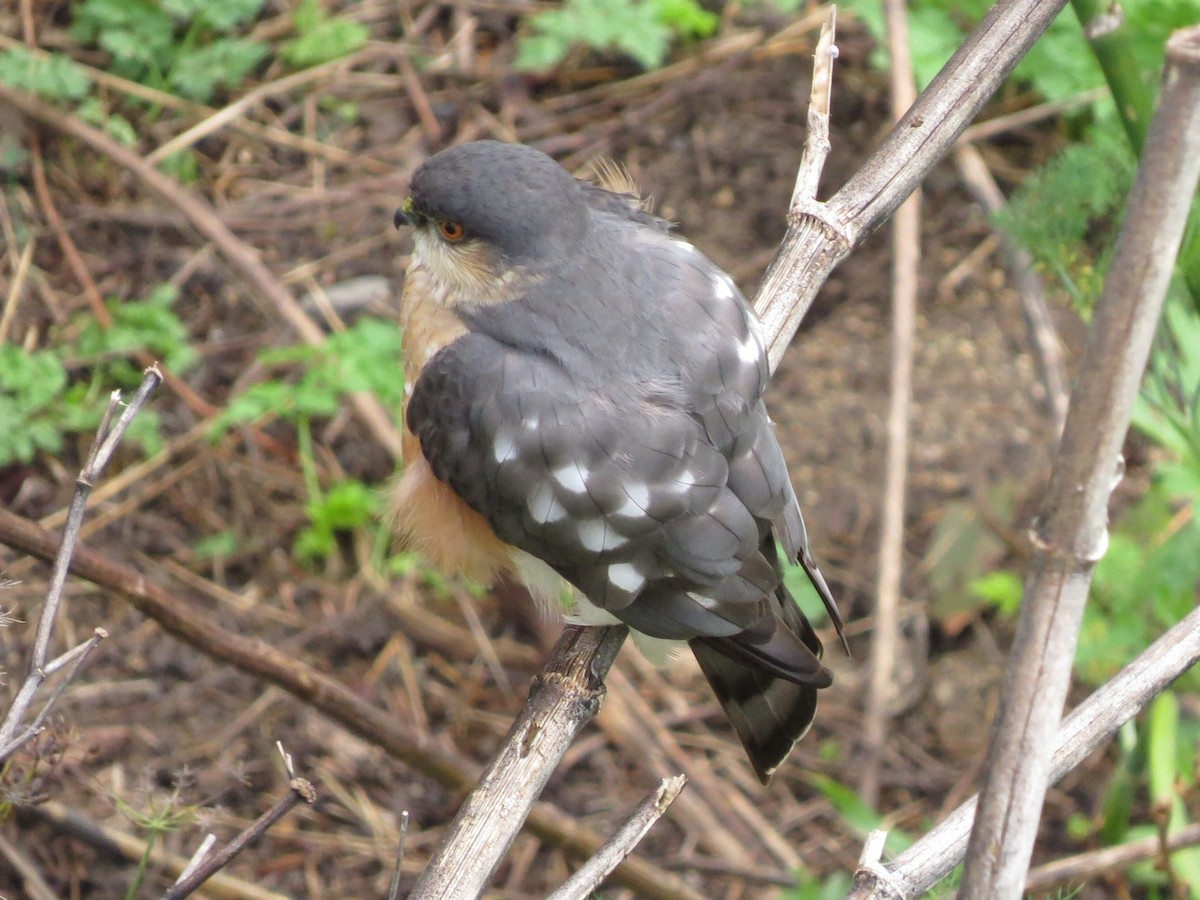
108 436
564 698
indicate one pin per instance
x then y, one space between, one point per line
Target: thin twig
78 656
394 887
103 447
1072 533
1090 725
117 844
1083 866
906 263
299 789
589 876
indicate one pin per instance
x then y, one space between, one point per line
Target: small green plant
640 29
41 404
364 357
186 47
53 76
321 37
158 818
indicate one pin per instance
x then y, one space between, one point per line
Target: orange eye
452 231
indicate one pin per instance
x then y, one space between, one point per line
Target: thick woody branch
564 698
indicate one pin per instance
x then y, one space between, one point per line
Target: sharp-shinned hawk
584 403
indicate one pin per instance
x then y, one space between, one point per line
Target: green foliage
1000 589
55 77
320 37
1067 213
31 388
40 404
345 506
364 357
856 814
157 819
640 29
361 358
1156 770
186 47
147 325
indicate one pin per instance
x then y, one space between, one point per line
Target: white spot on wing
543 507
572 477
637 499
503 447
595 535
626 577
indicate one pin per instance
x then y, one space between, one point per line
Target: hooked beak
406 216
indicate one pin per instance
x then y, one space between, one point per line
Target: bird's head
486 212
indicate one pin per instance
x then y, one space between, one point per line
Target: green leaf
641 29
56 77
857 815
222 16
223 63
1001 589
320 38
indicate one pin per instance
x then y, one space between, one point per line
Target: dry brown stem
906 262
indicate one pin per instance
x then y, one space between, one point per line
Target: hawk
584 404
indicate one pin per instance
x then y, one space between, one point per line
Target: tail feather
768 714
766 679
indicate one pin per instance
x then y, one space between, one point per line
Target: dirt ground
157 725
